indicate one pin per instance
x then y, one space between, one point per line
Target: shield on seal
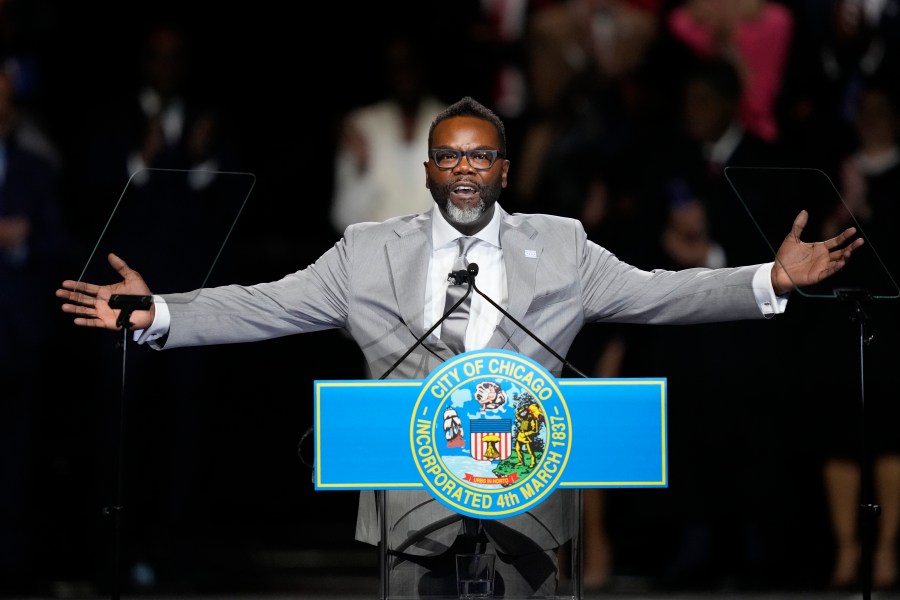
490 439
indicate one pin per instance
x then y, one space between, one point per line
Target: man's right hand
90 303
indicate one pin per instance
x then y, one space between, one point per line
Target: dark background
212 476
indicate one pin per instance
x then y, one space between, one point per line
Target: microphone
473 270
464 275
128 303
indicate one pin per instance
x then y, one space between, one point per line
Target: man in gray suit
385 284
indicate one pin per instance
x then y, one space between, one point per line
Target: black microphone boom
468 276
474 272
458 278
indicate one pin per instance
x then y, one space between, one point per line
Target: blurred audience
570 38
755 36
25 34
837 45
869 181
497 36
615 126
159 120
709 138
584 113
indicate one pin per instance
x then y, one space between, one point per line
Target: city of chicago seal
490 434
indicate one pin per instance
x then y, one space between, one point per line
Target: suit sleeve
312 299
615 291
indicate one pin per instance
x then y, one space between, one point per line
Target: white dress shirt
491 278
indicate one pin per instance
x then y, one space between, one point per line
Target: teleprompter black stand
127 304
773 197
172 225
855 301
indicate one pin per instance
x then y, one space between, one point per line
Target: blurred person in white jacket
381 146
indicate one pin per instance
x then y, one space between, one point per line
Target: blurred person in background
33 247
710 136
378 166
755 36
26 31
162 117
869 181
582 62
837 46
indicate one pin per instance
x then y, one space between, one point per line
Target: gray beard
465 216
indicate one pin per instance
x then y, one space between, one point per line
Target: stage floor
337 594
356 587
347 574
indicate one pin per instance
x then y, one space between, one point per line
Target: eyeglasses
447 158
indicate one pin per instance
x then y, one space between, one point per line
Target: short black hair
469 107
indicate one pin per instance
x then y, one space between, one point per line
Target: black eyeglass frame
495 154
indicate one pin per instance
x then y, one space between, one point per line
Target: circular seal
490 434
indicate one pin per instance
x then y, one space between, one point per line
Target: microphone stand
468 276
127 304
458 278
520 326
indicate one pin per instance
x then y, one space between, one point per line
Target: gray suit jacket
372 284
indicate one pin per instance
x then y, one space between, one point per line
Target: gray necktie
453 329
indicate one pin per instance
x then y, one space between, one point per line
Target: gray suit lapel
408 256
522 249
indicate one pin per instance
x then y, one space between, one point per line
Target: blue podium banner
490 433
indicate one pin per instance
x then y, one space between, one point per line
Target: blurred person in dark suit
869 181
161 117
709 137
32 245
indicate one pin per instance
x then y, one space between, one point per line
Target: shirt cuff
160 326
769 302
